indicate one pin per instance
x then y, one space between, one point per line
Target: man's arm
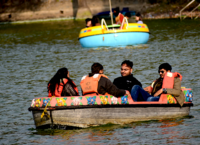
105 85
119 83
175 91
149 89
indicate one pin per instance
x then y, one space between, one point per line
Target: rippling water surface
30 54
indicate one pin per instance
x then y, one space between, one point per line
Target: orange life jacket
119 18
59 88
168 82
89 85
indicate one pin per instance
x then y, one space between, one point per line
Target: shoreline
146 17
37 21
42 11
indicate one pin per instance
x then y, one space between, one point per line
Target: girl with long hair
61 85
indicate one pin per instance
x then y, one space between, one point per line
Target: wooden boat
87 111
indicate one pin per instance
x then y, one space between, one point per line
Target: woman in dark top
61 85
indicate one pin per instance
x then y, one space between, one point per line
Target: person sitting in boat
127 80
153 92
61 85
118 16
88 22
128 16
138 18
95 21
96 83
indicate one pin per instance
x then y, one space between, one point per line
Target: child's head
88 22
138 17
128 15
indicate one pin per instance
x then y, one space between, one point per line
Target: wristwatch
164 91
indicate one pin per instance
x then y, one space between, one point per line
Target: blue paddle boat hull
114 39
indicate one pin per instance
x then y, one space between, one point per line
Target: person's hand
128 93
158 92
146 89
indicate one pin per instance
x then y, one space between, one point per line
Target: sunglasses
161 71
125 69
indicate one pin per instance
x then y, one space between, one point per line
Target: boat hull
95 110
115 39
89 116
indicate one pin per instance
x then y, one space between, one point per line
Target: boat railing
180 12
114 26
103 22
123 22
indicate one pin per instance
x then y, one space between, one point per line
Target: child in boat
118 16
95 21
88 22
128 16
138 18
61 85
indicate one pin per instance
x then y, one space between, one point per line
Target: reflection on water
32 53
129 133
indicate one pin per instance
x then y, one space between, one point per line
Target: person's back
131 20
95 21
98 84
61 85
126 81
70 90
128 16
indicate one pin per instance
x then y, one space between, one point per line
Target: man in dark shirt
126 81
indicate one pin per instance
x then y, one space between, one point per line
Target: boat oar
45 110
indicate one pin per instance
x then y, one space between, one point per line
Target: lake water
30 54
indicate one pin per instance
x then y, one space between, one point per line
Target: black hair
138 15
95 20
128 14
96 67
116 11
60 74
128 63
165 66
87 20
